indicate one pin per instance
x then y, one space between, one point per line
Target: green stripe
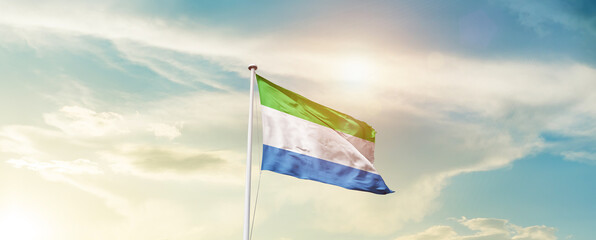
284 100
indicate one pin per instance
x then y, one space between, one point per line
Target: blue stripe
307 167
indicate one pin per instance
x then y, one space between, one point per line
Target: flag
307 140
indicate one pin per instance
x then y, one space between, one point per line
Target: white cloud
474 115
79 121
487 226
567 14
41 144
582 157
164 130
13 141
78 166
433 233
535 232
137 213
487 229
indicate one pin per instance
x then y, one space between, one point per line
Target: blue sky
129 119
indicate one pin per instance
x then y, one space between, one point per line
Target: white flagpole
252 69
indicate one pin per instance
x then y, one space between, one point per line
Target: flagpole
252 69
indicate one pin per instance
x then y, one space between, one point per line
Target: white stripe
285 131
365 147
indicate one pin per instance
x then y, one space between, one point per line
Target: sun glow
356 70
16 224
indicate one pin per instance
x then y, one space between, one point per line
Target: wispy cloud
78 166
582 157
83 122
485 228
574 15
75 120
475 115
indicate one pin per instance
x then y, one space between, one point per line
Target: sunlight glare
356 70
16 224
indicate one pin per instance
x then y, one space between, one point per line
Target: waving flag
307 140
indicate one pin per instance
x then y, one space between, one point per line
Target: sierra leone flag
307 140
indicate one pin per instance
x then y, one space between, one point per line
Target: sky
128 119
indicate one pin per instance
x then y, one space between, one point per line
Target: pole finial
250 67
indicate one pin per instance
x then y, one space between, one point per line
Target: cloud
14 141
573 15
189 70
75 120
164 130
475 115
78 166
159 159
433 233
176 163
582 157
39 144
136 212
485 228
121 142
134 35
84 122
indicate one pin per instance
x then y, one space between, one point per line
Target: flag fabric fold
307 140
